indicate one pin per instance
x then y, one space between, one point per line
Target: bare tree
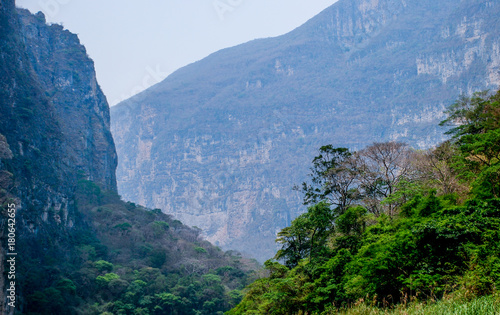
382 168
367 177
435 168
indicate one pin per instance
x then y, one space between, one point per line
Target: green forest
123 258
392 229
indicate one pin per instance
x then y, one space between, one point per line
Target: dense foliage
389 224
131 260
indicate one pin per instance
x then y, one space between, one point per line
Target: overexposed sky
136 44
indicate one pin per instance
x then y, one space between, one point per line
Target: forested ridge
389 225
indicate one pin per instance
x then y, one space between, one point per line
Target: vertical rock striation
220 143
67 77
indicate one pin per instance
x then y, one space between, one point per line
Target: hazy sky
135 44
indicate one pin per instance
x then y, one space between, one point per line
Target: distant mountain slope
217 143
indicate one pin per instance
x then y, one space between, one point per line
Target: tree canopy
389 223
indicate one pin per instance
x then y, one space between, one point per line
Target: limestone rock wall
221 142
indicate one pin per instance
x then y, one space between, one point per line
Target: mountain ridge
210 143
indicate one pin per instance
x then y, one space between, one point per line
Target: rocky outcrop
68 78
220 143
54 132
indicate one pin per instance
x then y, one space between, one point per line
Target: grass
452 305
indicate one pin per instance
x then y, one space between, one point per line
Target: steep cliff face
67 77
219 142
53 108
54 131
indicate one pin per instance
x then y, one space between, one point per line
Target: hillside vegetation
130 260
389 225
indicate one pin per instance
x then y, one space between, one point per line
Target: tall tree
333 179
306 237
473 115
476 133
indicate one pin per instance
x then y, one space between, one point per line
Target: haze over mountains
218 142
